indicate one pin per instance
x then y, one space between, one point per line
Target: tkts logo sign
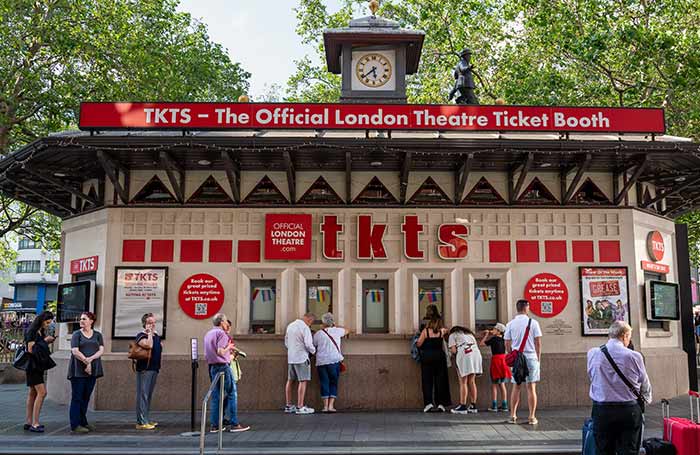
288 237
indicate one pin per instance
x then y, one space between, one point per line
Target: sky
259 34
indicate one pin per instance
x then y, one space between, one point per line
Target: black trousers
617 428
434 378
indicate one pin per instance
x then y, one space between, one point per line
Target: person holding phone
147 371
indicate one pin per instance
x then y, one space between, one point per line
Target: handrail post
203 433
222 381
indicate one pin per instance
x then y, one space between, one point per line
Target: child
468 359
500 373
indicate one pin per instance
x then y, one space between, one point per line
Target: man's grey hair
327 319
310 315
618 329
218 319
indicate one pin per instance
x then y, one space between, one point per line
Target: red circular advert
547 294
201 296
655 245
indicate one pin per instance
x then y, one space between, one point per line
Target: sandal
513 419
532 421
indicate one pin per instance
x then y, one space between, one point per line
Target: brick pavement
276 433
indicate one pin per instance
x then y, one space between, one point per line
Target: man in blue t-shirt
147 371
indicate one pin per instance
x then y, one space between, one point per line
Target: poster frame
114 299
581 304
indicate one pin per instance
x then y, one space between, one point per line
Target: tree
56 53
635 53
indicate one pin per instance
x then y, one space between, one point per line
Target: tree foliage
56 53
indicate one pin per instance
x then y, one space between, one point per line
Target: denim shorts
533 367
299 371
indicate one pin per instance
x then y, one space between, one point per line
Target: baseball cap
500 327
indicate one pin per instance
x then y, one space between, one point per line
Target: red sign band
208 116
655 267
84 265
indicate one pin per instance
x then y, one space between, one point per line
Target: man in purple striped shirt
617 416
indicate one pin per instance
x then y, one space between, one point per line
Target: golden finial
373 6
500 101
243 99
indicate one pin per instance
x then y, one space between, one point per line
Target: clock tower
373 55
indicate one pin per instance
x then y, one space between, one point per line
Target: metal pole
221 410
193 404
204 427
686 303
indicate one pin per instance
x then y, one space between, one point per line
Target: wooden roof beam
111 168
405 170
461 177
64 207
526 165
582 168
57 183
291 176
233 174
633 179
176 175
666 194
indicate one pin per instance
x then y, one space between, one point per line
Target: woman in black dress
37 341
433 365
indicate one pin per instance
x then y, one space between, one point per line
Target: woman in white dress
463 344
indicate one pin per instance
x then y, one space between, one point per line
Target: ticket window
262 306
375 306
430 292
319 299
486 303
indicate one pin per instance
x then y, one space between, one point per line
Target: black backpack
656 446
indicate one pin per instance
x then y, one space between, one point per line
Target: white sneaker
428 407
441 408
290 409
305 410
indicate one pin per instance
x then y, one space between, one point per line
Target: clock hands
373 70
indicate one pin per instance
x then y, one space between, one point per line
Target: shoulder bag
635 392
512 356
22 358
138 352
343 368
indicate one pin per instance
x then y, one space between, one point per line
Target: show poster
139 291
604 298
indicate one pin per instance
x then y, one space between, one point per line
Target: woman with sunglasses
87 346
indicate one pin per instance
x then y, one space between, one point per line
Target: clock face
373 70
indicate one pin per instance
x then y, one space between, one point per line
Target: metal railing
10 340
218 379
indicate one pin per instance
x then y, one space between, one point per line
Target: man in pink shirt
217 350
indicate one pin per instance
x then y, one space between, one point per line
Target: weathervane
464 80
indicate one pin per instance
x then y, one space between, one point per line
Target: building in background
35 277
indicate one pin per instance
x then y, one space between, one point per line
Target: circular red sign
201 296
655 245
547 294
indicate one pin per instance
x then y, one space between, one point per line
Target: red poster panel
604 298
83 265
369 116
288 237
201 296
547 294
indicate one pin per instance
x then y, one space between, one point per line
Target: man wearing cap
514 336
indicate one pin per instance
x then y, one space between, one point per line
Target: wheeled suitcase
587 440
684 434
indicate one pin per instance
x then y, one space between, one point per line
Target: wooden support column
176 175
348 178
233 175
291 176
461 177
405 170
582 168
111 169
633 179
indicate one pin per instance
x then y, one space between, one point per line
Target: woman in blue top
147 372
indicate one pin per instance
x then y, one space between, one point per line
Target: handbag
635 392
138 352
343 367
513 355
22 358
